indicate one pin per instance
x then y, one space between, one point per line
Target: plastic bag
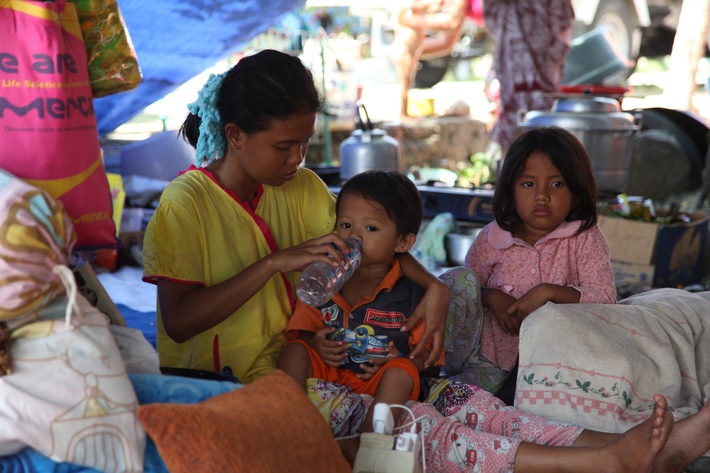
113 65
47 121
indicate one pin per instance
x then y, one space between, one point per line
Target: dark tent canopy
178 39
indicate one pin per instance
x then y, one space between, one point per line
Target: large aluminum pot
606 132
367 148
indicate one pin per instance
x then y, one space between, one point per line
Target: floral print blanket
599 365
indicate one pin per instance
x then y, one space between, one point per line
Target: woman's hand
329 249
433 309
331 352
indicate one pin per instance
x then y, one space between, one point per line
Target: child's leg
480 410
296 362
450 446
394 388
464 321
395 383
464 325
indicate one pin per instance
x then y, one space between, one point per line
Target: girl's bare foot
637 449
689 440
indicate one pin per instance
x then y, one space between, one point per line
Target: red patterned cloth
532 43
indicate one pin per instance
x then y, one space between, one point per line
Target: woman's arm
189 309
432 308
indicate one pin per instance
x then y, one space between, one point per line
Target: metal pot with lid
606 132
367 148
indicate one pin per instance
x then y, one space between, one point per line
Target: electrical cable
413 430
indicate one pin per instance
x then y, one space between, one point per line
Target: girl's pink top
513 266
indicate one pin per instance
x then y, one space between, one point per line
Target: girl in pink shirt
544 246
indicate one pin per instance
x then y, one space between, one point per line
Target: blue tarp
175 40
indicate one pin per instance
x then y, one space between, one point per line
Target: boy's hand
331 352
433 308
376 363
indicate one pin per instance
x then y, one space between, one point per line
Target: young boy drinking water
355 338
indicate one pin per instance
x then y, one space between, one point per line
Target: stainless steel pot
606 132
458 243
367 148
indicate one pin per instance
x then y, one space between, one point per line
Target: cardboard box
632 273
656 255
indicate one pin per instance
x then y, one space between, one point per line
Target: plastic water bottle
320 281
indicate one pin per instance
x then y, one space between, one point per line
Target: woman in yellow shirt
230 234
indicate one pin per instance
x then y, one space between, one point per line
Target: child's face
542 198
368 221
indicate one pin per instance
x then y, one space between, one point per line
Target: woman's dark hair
568 155
266 86
395 192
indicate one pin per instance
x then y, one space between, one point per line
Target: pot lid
580 121
586 104
582 113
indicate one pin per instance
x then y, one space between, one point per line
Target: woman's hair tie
211 142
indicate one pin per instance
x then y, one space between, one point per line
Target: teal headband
211 142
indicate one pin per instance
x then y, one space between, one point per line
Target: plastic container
320 281
162 156
592 59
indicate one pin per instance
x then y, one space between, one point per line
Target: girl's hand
298 257
331 352
375 364
433 308
539 296
500 303
533 299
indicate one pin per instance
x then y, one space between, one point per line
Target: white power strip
382 452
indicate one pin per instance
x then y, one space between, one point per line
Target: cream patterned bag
66 393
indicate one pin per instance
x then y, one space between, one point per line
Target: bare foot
689 440
636 450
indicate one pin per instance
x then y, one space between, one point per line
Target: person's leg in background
442 19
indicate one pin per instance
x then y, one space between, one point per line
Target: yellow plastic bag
113 65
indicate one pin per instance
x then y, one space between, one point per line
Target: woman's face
273 156
368 221
542 199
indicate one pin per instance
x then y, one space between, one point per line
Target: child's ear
405 243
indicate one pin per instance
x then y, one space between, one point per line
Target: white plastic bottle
320 281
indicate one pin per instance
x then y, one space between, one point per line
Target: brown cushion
267 426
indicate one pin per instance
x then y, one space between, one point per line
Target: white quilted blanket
599 365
